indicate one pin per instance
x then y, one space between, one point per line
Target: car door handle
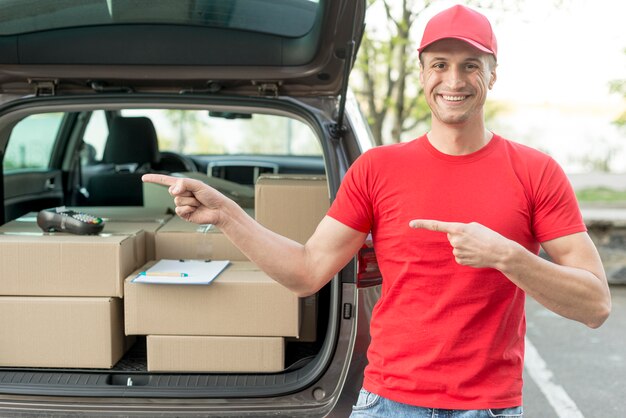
49 184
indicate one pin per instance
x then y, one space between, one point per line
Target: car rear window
288 18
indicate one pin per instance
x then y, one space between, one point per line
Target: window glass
203 132
31 142
290 18
95 137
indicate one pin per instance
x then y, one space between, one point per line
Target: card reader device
61 219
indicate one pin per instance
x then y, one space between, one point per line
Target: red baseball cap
463 23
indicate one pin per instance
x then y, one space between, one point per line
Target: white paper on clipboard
182 272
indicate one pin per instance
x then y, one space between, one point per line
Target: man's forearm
281 258
304 269
572 292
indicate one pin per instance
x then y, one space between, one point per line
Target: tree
191 133
387 65
183 121
605 153
619 87
387 69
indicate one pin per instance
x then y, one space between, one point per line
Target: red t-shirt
445 335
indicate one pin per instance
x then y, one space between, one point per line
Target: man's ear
492 78
421 69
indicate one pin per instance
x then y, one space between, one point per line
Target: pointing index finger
433 225
177 185
159 179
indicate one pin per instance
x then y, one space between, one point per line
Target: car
95 93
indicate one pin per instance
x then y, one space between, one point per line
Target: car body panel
167 57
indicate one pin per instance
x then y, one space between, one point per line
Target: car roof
293 47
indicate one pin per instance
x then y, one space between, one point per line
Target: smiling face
455 78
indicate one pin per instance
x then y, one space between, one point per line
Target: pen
163 273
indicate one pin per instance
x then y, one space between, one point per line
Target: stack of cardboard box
69 301
293 206
195 327
235 324
60 294
240 321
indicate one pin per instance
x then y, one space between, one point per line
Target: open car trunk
312 371
72 73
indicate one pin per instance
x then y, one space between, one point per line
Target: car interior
92 160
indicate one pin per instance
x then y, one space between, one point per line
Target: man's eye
439 65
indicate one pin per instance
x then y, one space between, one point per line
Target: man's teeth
454 98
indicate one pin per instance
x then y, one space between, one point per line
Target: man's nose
455 79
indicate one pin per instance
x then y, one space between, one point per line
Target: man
457 217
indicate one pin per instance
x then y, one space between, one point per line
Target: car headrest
131 140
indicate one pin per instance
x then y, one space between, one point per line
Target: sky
554 68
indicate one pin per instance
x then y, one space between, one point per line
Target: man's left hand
473 244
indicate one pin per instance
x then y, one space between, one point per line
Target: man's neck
459 139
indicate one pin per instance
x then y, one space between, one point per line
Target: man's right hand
195 201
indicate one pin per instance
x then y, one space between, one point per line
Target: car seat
131 150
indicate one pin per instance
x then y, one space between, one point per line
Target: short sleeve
556 210
353 204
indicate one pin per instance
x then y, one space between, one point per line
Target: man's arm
304 269
573 286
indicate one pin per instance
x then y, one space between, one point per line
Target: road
616 181
577 371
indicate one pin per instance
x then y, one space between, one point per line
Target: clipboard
188 272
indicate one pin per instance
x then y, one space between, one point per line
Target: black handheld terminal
65 220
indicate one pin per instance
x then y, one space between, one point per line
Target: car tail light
368 273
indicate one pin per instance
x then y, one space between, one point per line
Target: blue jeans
371 405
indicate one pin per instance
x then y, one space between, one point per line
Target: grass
601 195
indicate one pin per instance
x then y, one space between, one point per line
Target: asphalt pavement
573 371
615 181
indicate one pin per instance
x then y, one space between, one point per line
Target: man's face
455 78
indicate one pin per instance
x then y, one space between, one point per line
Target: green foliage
265 136
619 87
207 144
493 109
601 195
270 134
193 136
186 123
387 71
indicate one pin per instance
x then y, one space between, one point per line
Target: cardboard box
61 332
118 218
293 206
172 353
27 225
179 239
241 301
41 264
